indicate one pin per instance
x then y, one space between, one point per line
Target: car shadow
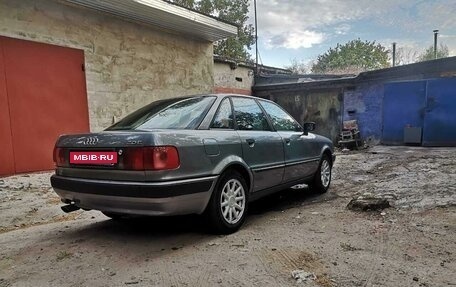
283 200
286 199
174 225
168 234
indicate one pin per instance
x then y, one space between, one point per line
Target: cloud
294 24
297 24
419 16
342 29
295 39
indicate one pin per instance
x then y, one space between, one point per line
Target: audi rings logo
91 141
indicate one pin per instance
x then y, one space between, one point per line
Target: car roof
230 95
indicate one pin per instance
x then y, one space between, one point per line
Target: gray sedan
204 154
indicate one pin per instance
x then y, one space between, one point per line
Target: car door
223 141
301 157
262 147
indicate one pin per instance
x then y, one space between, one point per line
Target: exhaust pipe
69 208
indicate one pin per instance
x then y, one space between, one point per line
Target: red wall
6 144
43 89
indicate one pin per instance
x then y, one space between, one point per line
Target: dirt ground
410 244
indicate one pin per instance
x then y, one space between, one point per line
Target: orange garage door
42 95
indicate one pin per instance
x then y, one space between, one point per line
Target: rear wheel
227 207
322 178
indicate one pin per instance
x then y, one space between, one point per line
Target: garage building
409 104
77 65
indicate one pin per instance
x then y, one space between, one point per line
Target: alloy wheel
325 173
232 201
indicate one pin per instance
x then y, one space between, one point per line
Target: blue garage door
440 117
430 105
403 105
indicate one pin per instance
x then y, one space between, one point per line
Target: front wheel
227 207
322 178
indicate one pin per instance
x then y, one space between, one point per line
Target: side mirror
308 127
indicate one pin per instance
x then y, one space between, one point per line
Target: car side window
223 119
281 120
249 115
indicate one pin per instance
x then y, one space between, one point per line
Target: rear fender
231 161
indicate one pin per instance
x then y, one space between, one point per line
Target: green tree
185 3
428 54
353 57
233 11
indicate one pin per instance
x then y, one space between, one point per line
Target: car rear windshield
180 113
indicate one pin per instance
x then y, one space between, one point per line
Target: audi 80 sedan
203 154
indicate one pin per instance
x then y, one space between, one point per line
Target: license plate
93 157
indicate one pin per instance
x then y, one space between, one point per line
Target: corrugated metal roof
444 67
164 15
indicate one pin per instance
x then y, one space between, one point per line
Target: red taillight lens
59 156
161 158
133 159
151 158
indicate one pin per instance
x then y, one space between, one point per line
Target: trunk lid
107 139
123 145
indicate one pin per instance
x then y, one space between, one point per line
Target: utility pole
256 38
394 54
436 33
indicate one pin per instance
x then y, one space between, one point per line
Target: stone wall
127 64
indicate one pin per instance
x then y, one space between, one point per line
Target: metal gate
425 106
440 117
42 95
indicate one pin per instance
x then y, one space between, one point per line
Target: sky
303 29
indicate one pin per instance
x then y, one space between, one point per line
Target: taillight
151 158
59 156
161 158
133 158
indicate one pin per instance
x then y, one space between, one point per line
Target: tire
230 193
322 178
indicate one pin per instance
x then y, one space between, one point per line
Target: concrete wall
324 107
228 79
127 65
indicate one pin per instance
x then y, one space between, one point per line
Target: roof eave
164 15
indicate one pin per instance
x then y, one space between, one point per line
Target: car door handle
287 141
250 142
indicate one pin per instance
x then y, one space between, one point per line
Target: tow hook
70 208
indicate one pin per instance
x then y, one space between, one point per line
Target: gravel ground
410 244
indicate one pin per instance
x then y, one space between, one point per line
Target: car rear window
181 113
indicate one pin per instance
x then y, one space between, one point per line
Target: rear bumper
142 198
